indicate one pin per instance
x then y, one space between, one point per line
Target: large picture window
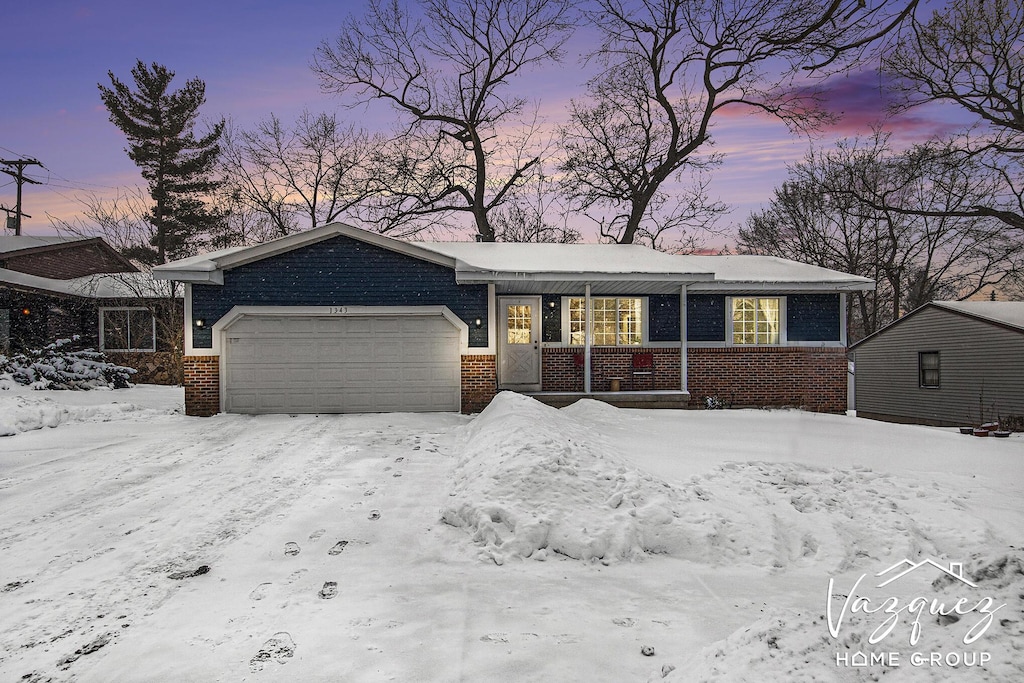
617 321
127 329
755 320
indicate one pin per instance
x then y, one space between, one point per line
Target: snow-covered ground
525 544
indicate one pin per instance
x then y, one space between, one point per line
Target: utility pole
19 176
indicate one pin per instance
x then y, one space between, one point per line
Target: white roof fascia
213 277
858 285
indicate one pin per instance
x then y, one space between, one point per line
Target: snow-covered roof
530 267
101 286
9 243
1005 312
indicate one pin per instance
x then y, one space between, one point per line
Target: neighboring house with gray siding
946 363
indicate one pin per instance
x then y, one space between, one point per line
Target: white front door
519 340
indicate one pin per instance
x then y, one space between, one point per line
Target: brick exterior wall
810 377
559 371
479 382
202 385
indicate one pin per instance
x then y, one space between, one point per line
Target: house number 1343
338 310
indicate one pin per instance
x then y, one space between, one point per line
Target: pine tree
178 166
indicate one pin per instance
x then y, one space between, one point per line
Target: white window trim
644 324
152 321
783 323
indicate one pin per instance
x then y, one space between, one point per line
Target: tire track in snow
186 495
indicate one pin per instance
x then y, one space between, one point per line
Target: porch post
682 338
587 332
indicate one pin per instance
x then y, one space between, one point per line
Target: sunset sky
254 57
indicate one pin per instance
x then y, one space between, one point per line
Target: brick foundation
559 371
813 378
202 385
479 382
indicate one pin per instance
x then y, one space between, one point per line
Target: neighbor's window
127 329
928 369
617 322
755 321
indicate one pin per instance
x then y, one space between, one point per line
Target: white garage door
364 364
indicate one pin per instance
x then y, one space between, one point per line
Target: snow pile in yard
962 633
24 412
532 480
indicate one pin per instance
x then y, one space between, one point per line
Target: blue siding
340 271
663 319
813 317
705 317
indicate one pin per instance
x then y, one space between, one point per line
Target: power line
20 178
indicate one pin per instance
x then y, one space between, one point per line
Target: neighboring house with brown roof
58 287
946 363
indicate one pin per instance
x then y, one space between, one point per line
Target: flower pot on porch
967 430
615 384
978 431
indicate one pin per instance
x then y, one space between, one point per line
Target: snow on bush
794 645
532 480
57 367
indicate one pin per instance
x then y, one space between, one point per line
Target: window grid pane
756 321
519 324
616 322
140 330
115 330
928 369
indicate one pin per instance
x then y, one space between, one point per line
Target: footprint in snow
338 547
375 514
279 648
291 548
369 492
626 622
329 590
198 571
260 591
317 534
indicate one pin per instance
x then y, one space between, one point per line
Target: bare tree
671 67
970 54
298 177
526 216
913 258
446 67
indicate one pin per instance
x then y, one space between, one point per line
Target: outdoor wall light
551 305
26 311
200 322
478 323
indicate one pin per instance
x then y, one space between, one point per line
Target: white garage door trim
392 387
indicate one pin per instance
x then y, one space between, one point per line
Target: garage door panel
282 364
